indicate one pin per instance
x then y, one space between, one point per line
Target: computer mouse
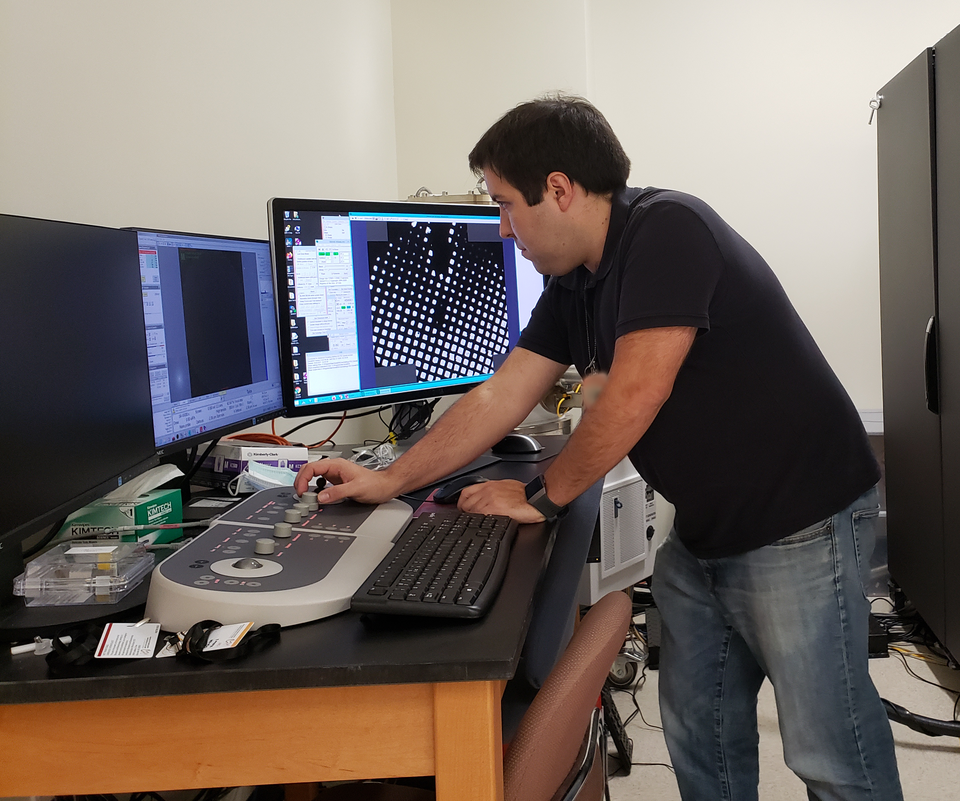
450 492
517 443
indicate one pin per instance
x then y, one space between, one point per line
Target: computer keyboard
444 564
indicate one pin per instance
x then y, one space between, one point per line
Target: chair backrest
552 731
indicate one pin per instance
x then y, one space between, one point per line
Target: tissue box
228 459
154 507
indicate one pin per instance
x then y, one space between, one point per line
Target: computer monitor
211 321
390 302
75 406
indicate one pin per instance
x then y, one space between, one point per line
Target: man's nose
506 232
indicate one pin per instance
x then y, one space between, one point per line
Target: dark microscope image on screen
437 300
215 320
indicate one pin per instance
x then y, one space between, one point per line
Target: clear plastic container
84 572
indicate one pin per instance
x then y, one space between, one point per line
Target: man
716 391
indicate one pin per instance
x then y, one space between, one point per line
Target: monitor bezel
275 208
172 448
11 539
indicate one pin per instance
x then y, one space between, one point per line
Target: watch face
533 487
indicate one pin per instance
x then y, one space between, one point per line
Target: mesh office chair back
538 765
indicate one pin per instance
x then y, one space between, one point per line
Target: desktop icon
296 229
289 241
286 215
286 228
296 349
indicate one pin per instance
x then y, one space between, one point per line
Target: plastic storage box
84 572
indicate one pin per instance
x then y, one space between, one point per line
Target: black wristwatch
536 492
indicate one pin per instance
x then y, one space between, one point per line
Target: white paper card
212 503
87 549
227 636
128 641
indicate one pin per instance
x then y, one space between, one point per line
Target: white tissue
145 482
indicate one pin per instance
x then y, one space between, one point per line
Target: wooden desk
336 699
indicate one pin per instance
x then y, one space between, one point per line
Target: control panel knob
292 516
264 546
282 530
310 499
302 508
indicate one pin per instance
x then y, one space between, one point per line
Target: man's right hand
346 480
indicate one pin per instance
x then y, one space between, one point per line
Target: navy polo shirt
758 439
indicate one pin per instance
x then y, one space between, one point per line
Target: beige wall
759 107
190 115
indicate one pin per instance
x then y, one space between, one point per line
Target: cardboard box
228 459
154 507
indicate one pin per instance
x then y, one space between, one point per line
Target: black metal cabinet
919 217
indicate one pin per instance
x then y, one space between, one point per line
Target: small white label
227 636
128 641
212 503
86 549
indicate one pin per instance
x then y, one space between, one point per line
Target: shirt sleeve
670 270
546 334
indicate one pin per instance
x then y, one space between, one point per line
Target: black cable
195 465
409 418
45 540
920 723
313 420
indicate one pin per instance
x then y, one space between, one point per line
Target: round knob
302 508
282 530
264 546
310 499
291 516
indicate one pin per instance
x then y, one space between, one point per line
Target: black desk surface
339 651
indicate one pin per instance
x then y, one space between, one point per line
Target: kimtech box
152 508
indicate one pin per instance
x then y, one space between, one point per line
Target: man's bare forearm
641 379
477 421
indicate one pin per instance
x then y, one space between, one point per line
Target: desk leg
468 741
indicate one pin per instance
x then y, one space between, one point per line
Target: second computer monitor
210 314
384 302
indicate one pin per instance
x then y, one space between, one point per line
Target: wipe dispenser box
84 572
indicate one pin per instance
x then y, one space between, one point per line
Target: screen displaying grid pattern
437 300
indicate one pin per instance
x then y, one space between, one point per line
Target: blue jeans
794 612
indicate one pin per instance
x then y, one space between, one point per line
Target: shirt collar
619 212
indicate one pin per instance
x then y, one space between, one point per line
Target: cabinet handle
931 381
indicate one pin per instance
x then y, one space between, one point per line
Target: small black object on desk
449 493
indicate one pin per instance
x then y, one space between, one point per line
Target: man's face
539 231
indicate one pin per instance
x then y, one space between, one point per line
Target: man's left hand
499 498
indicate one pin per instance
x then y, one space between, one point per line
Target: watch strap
536 492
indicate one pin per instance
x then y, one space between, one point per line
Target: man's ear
560 189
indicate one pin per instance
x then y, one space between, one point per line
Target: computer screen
75 407
386 302
211 321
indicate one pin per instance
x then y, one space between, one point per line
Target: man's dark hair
553 134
